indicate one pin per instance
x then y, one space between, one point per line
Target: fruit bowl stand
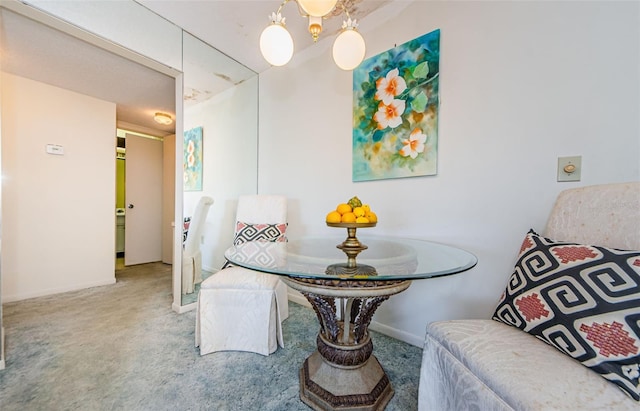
351 247
343 374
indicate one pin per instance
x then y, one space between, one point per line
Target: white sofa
488 365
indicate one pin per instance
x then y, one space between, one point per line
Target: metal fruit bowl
352 225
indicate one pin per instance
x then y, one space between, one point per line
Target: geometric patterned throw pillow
262 253
246 232
582 299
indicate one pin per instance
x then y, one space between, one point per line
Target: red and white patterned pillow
246 232
185 228
582 299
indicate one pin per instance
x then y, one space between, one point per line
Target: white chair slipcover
240 309
191 256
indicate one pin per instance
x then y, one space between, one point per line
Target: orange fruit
343 208
334 217
366 208
373 218
362 220
348 218
358 211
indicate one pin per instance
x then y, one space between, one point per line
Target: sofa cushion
582 299
487 365
259 232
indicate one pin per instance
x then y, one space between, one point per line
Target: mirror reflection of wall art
192 161
395 111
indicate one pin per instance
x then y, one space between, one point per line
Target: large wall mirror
219 150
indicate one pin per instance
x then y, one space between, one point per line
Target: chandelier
276 43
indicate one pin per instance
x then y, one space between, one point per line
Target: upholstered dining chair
191 256
240 309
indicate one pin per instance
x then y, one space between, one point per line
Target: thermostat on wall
55 149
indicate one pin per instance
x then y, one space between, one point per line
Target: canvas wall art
395 111
192 161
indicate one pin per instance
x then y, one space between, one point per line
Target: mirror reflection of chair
240 309
191 256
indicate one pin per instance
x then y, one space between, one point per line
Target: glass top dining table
393 258
345 282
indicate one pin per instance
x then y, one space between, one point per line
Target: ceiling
33 50
234 27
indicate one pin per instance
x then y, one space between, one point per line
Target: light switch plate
55 149
569 168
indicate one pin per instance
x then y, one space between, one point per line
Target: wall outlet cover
569 168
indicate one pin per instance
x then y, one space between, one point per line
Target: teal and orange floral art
192 159
395 111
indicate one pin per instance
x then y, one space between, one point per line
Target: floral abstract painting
395 111
192 161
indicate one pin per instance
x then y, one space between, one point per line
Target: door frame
34 13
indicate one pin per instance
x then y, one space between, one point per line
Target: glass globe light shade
348 49
317 8
276 45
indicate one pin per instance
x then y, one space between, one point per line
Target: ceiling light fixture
163 118
276 43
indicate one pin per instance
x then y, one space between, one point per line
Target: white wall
522 83
58 219
229 163
125 23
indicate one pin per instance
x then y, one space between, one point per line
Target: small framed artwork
395 111
192 161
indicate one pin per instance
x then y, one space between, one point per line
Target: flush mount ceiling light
276 43
163 118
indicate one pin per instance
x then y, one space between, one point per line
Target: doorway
143 208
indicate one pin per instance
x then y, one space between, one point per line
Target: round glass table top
392 258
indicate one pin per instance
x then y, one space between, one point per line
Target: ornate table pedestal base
325 387
342 374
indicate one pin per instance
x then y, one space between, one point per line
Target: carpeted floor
121 347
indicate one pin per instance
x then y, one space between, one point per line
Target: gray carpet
121 347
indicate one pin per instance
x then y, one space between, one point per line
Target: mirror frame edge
176 269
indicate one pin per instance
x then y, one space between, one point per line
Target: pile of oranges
352 211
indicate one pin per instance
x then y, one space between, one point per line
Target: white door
143 200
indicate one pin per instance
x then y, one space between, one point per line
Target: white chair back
262 209
198 219
606 215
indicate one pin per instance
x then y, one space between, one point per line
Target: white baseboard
50 291
2 364
181 309
404 336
